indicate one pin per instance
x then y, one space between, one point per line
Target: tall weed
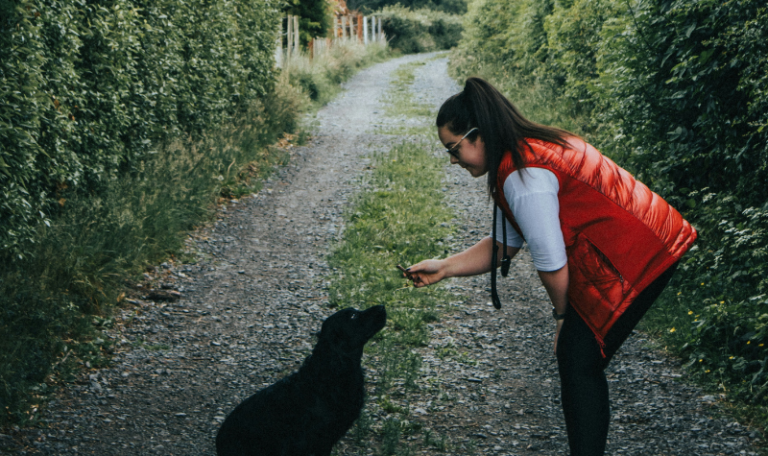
319 77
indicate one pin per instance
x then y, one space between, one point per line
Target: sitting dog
307 412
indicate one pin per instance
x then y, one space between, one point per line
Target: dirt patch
248 309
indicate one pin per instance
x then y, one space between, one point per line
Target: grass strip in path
399 218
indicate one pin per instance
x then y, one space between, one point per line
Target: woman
604 245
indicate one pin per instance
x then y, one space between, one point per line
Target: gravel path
249 307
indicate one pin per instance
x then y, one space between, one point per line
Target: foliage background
446 6
421 30
675 92
89 90
315 17
121 125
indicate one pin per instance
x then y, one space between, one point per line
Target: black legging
581 364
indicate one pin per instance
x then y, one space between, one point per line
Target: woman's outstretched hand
426 272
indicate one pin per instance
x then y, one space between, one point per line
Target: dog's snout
378 310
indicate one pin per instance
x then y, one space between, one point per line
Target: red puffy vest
619 235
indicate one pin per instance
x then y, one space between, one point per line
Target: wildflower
749 342
731 357
722 302
706 371
761 345
679 293
702 284
690 312
672 330
701 360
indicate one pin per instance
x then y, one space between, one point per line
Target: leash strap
505 259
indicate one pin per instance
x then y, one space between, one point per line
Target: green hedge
676 92
410 31
90 89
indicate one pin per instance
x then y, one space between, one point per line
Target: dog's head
349 329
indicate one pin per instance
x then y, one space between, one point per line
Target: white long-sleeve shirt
533 201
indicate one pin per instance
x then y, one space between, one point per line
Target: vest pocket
595 283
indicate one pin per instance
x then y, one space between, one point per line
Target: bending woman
604 245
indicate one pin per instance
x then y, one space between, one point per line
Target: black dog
307 412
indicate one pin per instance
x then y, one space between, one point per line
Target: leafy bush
411 31
78 265
90 89
53 297
508 43
120 122
688 83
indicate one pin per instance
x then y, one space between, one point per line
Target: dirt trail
249 308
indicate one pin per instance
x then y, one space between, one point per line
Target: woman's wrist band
556 315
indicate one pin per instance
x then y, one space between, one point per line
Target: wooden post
296 42
336 27
381 31
360 28
352 27
279 44
288 36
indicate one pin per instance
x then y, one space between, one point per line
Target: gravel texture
249 307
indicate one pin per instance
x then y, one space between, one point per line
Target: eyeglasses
454 151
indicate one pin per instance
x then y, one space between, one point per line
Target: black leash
505 259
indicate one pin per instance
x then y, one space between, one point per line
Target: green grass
400 102
398 218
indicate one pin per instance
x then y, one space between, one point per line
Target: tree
314 17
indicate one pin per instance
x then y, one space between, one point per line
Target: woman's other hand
426 272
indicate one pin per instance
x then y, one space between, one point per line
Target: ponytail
500 124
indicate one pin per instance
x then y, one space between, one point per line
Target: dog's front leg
324 451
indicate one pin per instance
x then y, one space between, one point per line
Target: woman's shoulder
530 180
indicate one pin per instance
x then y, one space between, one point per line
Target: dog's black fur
307 412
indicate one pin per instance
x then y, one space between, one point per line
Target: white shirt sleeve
532 198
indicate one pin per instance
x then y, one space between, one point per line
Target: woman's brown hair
500 124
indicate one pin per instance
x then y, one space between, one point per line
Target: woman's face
470 155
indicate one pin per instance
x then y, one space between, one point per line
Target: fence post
296 42
381 31
344 27
288 36
360 28
279 44
365 30
336 27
